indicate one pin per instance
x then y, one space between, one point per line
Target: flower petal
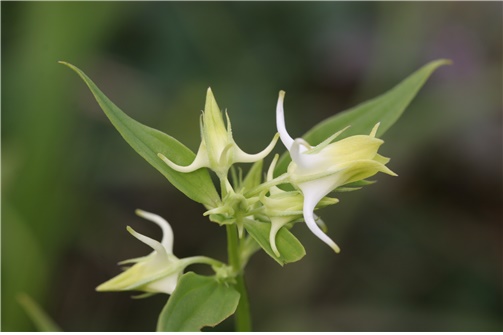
381 159
303 161
276 224
326 142
352 148
166 284
214 122
167 232
309 204
158 247
144 276
280 122
374 130
242 157
200 161
361 169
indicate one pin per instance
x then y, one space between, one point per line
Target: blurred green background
421 252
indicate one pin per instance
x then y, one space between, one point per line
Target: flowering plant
339 154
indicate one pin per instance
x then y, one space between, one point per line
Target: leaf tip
446 61
66 63
71 66
442 62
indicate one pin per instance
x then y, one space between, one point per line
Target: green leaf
385 109
42 321
197 302
148 142
289 247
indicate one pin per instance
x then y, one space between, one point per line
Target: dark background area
420 252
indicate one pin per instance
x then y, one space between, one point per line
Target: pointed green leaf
385 109
148 142
42 321
197 302
289 247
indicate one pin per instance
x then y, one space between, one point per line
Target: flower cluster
314 172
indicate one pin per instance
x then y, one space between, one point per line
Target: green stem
202 260
243 315
243 319
267 185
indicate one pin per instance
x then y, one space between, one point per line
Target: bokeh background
421 252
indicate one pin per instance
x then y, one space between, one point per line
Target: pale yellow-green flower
218 151
318 170
157 272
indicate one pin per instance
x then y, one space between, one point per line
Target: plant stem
266 185
243 319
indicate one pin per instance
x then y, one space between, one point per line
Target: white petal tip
149 216
272 238
328 241
280 122
336 249
131 230
184 169
243 157
141 213
274 247
167 161
316 230
331 244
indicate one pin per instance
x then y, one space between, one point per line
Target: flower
285 207
218 151
318 170
157 272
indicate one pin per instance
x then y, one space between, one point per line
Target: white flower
318 170
218 151
157 272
